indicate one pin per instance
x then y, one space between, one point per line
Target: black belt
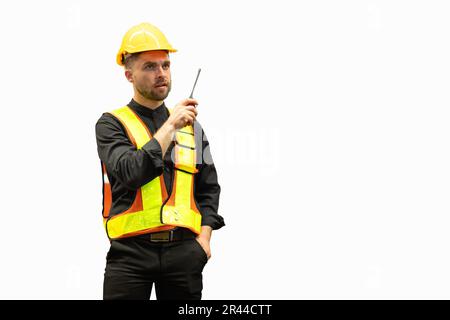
169 236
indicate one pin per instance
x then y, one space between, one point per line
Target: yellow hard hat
143 37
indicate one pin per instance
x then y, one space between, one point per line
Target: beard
152 93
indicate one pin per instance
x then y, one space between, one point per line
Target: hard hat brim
121 54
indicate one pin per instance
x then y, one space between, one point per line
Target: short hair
129 59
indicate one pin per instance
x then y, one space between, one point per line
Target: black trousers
134 264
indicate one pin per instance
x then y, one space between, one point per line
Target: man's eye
166 66
150 67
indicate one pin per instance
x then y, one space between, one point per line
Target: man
160 190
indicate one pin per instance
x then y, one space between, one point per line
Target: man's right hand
183 114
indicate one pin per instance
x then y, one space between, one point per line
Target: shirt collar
137 107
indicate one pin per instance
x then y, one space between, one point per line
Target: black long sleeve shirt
128 169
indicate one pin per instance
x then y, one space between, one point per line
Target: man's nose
160 70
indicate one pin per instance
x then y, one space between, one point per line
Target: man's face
150 74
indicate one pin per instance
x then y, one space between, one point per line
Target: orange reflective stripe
107 194
163 187
136 205
171 201
193 204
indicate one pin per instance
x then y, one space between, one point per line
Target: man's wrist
205 233
169 130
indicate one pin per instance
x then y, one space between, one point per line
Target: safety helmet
143 37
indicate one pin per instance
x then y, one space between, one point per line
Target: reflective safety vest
153 209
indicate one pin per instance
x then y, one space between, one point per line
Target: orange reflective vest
153 209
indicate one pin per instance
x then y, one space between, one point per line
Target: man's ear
129 75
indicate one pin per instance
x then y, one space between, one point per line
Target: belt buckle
165 236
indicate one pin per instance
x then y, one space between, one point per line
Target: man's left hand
204 239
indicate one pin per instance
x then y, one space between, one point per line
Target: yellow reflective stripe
182 217
187 129
185 139
151 195
181 214
134 125
183 189
185 157
133 222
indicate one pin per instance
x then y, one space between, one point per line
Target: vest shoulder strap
137 131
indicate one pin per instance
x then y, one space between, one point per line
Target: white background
328 123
